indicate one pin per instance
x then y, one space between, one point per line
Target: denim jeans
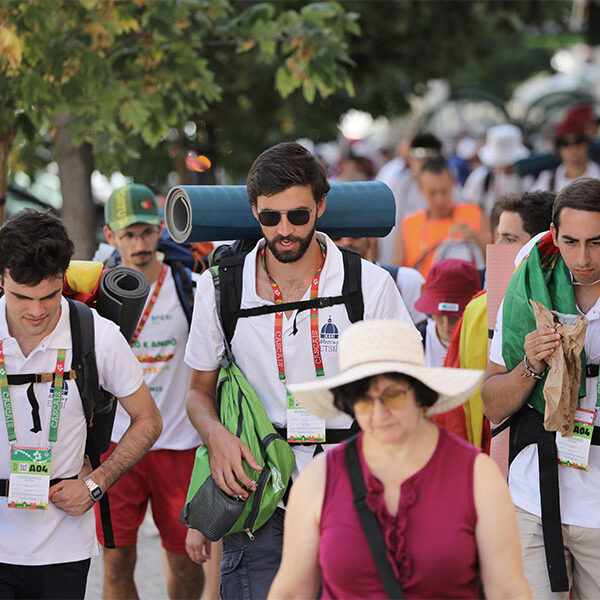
248 567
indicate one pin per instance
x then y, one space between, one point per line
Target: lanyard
150 304
314 320
56 399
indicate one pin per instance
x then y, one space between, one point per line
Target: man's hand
540 344
464 231
197 546
225 454
72 496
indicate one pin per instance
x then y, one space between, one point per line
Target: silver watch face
95 490
96 494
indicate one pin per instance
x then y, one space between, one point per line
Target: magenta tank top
430 542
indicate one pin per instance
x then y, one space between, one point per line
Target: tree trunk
5 140
75 166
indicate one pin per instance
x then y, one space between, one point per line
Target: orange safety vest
422 233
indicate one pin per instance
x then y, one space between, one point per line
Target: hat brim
491 158
454 386
124 222
429 305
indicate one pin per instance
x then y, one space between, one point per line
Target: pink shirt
430 542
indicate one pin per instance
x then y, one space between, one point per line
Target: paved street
149 577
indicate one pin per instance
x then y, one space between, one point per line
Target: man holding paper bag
554 479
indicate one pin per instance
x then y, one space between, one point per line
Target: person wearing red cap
572 142
449 286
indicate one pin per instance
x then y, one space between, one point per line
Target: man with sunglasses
287 190
133 225
572 143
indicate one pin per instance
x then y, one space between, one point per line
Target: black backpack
231 266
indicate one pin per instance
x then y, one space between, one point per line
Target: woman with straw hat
442 511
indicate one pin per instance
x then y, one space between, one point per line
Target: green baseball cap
133 203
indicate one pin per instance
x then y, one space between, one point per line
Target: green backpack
207 507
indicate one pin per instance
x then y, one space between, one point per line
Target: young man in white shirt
45 553
558 506
286 187
133 225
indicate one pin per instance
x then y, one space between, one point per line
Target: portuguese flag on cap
544 277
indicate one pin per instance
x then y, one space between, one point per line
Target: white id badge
573 451
303 426
29 478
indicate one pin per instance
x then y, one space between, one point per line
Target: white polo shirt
40 537
579 490
253 341
160 349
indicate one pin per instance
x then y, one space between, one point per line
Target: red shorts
163 477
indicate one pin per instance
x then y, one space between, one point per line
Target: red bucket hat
449 286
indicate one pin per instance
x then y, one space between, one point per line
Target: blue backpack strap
184 286
392 270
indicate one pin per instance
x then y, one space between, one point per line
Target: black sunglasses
580 138
296 216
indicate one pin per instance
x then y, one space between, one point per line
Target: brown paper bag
561 389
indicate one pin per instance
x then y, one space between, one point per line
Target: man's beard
289 256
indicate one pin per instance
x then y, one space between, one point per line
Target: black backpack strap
352 287
487 182
527 427
82 320
369 522
552 183
184 286
422 329
83 363
227 279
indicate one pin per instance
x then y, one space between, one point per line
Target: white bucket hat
503 146
375 347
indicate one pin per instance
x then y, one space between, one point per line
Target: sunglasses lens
269 218
298 216
365 405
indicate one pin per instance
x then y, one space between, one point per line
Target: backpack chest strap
24 378
31 378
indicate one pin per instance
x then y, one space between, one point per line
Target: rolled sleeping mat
121 298
206 213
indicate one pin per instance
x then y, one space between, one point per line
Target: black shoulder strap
369 523
422 329
229 282
82 320
184 287
552 180
487 182
84 364
352 287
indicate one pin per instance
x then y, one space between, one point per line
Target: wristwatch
95 490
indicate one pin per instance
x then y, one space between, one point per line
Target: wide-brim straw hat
376 347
